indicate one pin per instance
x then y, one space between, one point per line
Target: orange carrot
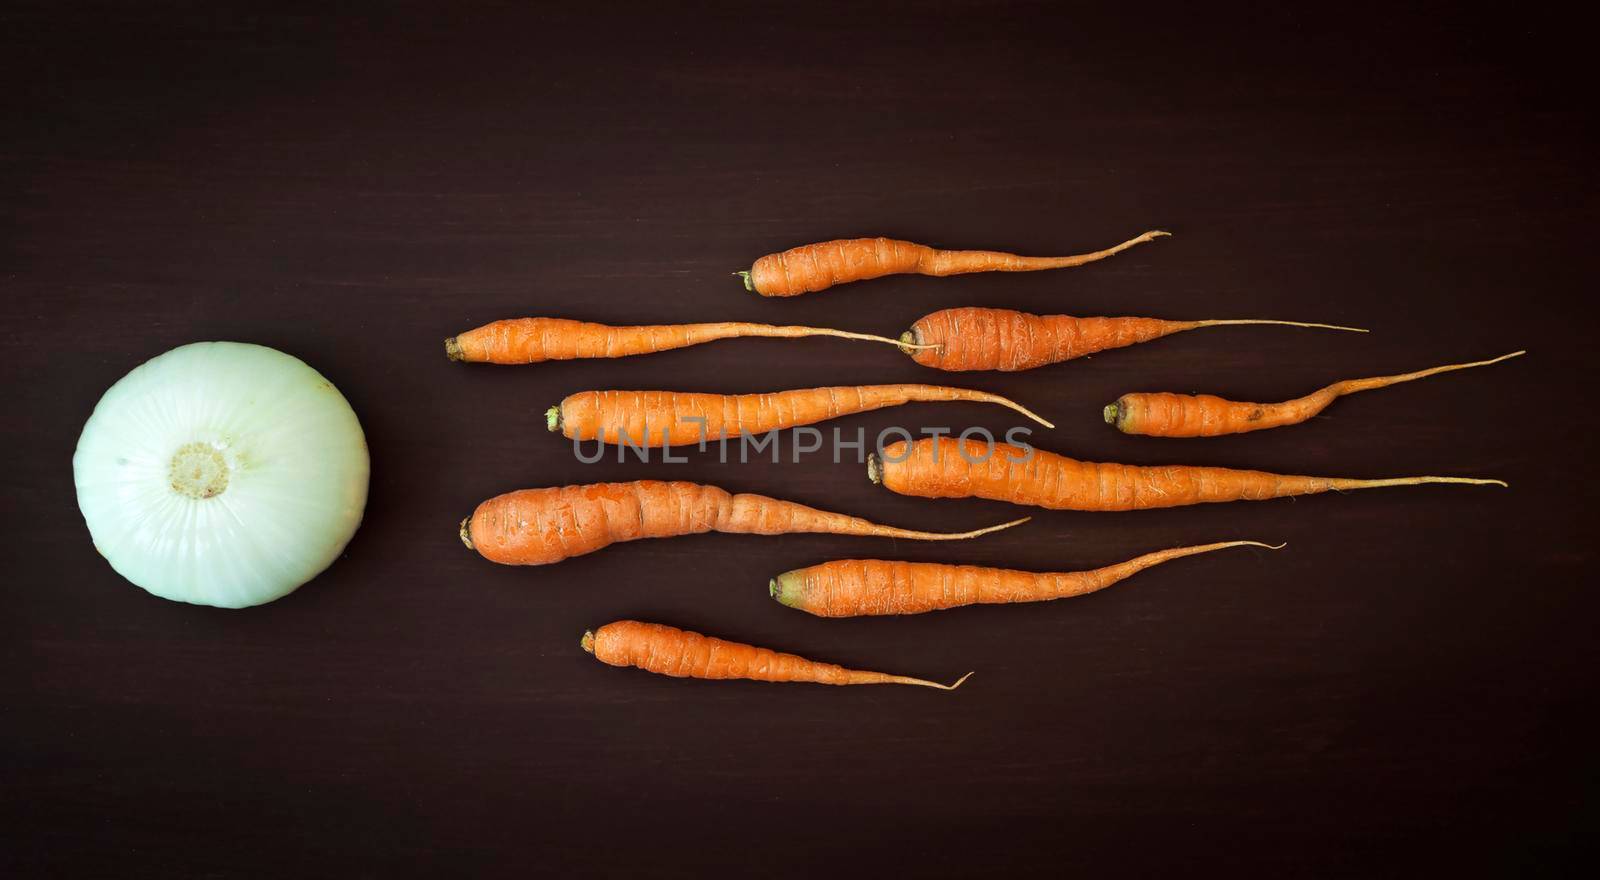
820 266
658 418
1162 414
667 650
540 526
1001 339
950 468
858 587
532 340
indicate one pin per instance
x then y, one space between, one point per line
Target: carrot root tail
1226 544
868 337
452 349
958 682
1013 405
1417 481
978 533
922 682
1236 321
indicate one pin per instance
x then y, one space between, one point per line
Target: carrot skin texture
1002 339
950 468
864 587
814 267
658 418
1163 414
667 650
534 340
542 526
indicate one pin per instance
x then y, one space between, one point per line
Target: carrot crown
786 588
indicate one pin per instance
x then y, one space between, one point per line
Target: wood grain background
1408 685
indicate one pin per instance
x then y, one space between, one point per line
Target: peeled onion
222 473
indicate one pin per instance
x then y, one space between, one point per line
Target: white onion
222 473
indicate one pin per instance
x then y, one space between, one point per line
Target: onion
221 473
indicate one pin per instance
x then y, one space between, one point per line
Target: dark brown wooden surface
1407 685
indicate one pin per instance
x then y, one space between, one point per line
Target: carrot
662 418
857 587
1001 339
540 526
820 266
1162 414
532 340
949 468
667 650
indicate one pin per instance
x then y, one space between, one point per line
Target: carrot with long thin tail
675 418
533 340
1163 414
1006 340
950 468
541 526
814 267
667 650
858 587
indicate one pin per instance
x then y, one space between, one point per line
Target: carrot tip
959 681
452 349
466 533
587 642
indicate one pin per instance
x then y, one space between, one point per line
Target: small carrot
858 587
949 468
815 267
663 418
667 650
540 526
1162 414
1002 339
532 340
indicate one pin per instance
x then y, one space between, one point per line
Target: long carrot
1002 339
667 650
858 587
1162 414
815 267
949 468
658 418
540 526
532 340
